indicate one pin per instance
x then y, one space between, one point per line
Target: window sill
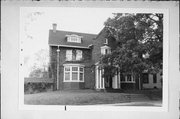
128 82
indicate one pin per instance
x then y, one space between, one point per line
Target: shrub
30 88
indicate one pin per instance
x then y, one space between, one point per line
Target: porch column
97 77
100 78
58 50
119 80
103 79
115 81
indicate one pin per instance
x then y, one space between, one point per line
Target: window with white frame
74 38
78 54
127 78
73 73
105 50
106 41
72 55
69 55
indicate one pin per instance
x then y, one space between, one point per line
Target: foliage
139 42
40 66
30 88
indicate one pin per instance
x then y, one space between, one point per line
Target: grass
85 97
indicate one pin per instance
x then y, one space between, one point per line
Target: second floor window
105 50
73 55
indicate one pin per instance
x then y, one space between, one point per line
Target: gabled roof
58 38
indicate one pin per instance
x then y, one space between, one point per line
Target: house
74 62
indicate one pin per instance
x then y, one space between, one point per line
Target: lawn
87 97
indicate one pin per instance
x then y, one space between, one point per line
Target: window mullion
70 73
78 73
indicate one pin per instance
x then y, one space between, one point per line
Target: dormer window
74 38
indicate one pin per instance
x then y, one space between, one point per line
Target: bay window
73 73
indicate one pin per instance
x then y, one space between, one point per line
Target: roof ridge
74 32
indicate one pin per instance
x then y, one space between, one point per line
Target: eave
70 46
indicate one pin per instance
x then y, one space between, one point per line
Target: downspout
57 80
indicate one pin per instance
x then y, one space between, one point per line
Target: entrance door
108 82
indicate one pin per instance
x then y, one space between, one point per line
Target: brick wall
87 62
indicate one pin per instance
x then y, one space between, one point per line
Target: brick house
74 61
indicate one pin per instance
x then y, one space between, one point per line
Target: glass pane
68 55
122 77
74 75
145 78
128 77
81 77
67 68
74 68
81 69
78 54
67 75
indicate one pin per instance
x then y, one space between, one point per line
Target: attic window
74 38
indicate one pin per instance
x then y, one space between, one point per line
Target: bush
30 88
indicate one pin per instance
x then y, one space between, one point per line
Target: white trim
126 81
71 46
74 65
100 78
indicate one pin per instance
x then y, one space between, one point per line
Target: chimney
54 27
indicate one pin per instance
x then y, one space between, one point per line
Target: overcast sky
85 20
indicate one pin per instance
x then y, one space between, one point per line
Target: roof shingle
59 38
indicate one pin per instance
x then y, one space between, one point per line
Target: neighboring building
152 80
74 62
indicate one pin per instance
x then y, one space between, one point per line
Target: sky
35 28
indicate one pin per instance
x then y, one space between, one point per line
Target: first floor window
73 74
154 78
145 78
127 78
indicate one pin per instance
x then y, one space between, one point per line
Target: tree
139 40
41 63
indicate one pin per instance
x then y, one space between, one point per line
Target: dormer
73 38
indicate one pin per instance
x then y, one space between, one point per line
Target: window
106 41
154 78
78 54
73 73
127 78
72 55
122 77
74 38
105 50
67 73
68 55
145 78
